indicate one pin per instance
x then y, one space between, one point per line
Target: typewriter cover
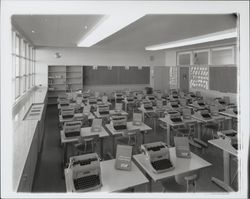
182 148
96 125
123 157
137 119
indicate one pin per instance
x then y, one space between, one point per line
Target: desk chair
183 102
83 119
129 137
183 182
86 144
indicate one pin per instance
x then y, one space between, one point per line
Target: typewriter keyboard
120 127
67 116
72 134
104 113
85 162
236 112
207 116
162 164
201 104
176 120
175 106
86 182
148 108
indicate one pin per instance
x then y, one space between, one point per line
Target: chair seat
212 126
170 185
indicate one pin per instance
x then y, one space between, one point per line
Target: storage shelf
67 73
57 84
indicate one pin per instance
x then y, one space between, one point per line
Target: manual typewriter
229 136
119 122
68 113
103 109
86 172
173 104
147 105
157 156
176 118
130 99
72 129
92 101
204 114
200 103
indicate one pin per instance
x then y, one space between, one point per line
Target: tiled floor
49 176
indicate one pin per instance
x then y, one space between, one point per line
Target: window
23 65
184 58
201 57
222 56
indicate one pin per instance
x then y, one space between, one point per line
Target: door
184 79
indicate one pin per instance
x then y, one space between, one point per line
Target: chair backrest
118 106
183 102
214 110
198 94
226 99
182 94
186 112
78 100
89 138
104 99
139 96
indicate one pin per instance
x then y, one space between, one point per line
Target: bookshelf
63 79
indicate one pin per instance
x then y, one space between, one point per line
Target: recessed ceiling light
33 31
85 27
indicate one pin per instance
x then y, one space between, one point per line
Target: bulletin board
223 79
117 75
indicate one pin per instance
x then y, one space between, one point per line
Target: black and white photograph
121 99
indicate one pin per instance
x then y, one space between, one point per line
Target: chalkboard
117 75
223 79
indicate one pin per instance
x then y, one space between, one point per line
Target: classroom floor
49 176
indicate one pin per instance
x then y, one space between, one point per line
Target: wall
85 56
170 60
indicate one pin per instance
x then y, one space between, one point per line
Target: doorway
184 79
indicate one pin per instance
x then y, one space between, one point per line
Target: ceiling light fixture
107 26
33 31
85 27
227 34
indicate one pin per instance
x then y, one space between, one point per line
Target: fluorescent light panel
231 33
107 26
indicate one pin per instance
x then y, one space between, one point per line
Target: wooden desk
181 165
126 103
76 115
84 132
170 123
232 115
197 107
227 151
113 180
143 128
113 112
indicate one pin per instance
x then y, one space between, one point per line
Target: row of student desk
114 180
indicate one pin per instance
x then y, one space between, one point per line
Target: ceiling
55 30
67 30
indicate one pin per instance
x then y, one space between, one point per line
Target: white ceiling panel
67 30
55 30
